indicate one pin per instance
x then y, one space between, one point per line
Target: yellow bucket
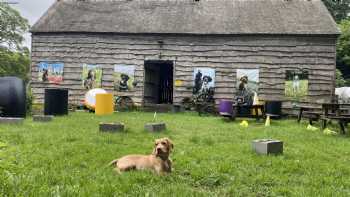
104 104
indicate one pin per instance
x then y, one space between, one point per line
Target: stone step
7 120
155 127
111 127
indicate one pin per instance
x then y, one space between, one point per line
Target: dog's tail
113 163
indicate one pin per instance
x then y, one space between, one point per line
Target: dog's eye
163 143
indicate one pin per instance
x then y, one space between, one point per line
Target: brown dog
158 161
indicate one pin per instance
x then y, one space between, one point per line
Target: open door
158 87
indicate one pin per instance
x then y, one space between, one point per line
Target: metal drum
12 97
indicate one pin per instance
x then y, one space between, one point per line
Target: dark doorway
158 88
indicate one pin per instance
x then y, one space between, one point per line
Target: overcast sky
31 10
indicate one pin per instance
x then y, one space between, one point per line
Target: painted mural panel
50 72
92 76
124 78
247 85
296 84
204 79
249 78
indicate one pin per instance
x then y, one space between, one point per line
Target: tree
14 59
12 27
340 81
339 9
343 45
14 63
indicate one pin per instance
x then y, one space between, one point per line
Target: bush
29 100
343 45
340 81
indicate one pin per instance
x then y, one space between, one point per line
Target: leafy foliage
340 81
29 100
338 8
14 60
12 27
14 63
343 45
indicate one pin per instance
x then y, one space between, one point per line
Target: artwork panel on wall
252 77
296 84
247 82
92 76
50 72
124 78
203 79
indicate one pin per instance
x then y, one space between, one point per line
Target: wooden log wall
272 55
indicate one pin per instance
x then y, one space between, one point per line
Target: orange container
104 104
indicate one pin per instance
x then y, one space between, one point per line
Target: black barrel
12 97
273 108
56 102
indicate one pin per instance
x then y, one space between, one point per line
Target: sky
31 10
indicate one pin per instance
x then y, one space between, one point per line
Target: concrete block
267 146
42 118
5 120
153 127
111 127
177 108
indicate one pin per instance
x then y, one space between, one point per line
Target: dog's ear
170 143
154 152
155 143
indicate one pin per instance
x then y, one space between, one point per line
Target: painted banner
247 85
51 72
203 79
296 84
249 78
124 78
92 76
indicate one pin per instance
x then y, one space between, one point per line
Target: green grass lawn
69 157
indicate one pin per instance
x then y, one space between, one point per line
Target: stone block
153 127
6 120
42 118
177 108
112 127
267 146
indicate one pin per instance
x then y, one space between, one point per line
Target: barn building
155 51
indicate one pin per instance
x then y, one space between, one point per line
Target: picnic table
338 112
327 113
310 112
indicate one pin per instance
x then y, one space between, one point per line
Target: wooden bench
255 108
